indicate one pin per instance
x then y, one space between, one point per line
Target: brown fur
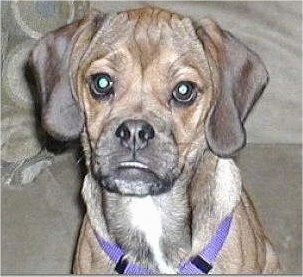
149 51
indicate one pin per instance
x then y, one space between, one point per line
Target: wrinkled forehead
147 36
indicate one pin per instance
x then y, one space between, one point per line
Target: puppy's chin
134 182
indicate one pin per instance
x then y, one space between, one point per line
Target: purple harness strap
201 264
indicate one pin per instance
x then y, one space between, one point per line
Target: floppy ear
242 78
52 59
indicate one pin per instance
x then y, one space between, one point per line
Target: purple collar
201 264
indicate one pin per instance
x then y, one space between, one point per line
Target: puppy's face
149 92
146 90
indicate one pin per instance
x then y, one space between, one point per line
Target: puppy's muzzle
135 157
135 134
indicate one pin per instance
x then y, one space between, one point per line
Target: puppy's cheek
189 159
96 172
182 159
98 168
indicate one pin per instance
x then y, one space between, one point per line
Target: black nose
135 134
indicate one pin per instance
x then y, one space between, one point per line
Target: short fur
163 220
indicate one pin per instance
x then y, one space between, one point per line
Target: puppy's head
150 91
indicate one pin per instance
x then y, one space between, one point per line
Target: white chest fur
146 217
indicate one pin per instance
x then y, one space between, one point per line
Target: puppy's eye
101 85
185 92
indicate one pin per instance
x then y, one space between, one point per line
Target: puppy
159 103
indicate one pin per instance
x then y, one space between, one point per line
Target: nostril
123 132
151 132
142 135
146 133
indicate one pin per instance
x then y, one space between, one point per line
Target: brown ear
52 60
242 78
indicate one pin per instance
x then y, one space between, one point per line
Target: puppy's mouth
134 178
133 164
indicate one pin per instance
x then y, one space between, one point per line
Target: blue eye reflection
101 85
185 92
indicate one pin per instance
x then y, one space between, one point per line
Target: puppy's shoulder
89 259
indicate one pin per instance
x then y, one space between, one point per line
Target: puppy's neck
214 194
159 232
154 230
